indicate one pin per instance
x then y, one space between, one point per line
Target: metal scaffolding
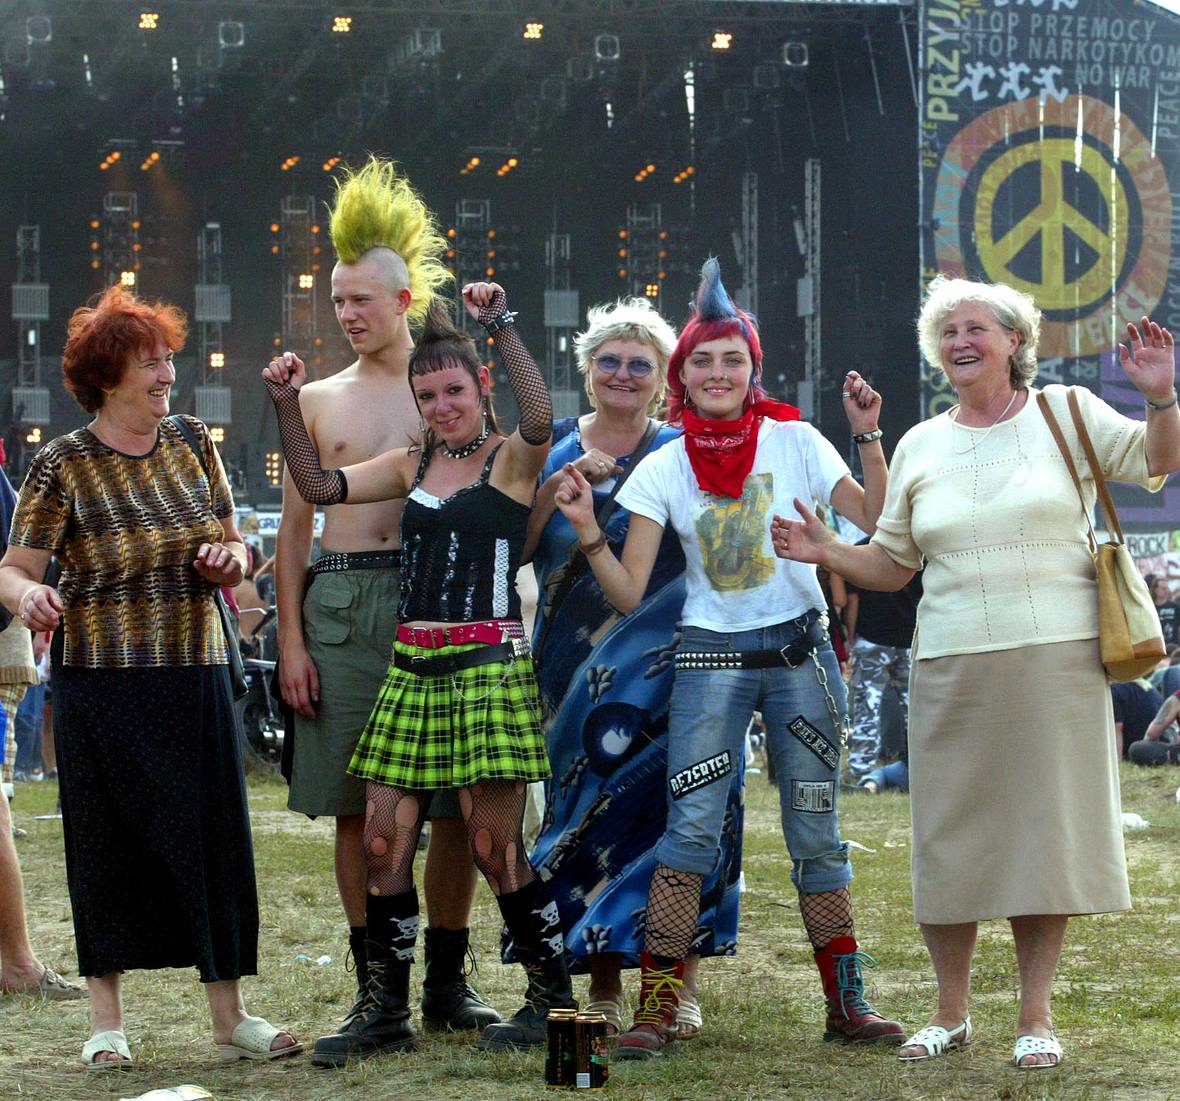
30 306
120 239
214 400
562 317
297 242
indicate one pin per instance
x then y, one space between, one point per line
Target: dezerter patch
700 775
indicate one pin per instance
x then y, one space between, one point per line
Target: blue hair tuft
713 302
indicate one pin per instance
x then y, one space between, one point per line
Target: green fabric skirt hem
454 730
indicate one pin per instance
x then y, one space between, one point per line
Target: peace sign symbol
1066 238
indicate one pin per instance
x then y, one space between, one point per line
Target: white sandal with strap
936 1040
252 1038
111 1040
1038 1045
613 1012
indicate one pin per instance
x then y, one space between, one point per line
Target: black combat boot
383 1023
360 963
448 999
532 920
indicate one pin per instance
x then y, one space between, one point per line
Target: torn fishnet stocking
493 811
826 916
393 821
673 907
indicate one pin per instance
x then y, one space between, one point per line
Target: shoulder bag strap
1055 428
185 429
1112 517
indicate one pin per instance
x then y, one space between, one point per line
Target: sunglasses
636 368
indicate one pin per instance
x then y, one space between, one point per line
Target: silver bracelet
868 437
1167 404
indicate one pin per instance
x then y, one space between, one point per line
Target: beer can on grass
560 1049
591 1061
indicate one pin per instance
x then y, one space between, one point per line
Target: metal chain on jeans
840 726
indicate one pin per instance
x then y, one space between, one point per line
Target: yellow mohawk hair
377 207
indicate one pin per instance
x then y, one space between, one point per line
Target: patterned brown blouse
126 530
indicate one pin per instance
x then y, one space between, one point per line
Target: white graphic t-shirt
735 580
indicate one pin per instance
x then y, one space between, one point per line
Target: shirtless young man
335 641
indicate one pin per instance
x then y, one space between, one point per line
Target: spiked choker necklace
469 448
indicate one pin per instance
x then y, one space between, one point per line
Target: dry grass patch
1116 1008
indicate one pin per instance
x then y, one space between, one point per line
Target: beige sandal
688 1015
112 1040
613 1012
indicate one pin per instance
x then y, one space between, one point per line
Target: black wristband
500 321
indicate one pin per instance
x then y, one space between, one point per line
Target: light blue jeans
709 712
894 775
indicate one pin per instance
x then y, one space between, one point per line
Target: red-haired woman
158 850
753 638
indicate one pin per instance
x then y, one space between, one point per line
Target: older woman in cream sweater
1014 773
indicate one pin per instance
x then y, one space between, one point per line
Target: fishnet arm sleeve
528 387
315 484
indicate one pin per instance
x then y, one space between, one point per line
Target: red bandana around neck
722 452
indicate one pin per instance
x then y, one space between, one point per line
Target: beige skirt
1014 785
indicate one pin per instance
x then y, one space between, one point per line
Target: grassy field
1116 1009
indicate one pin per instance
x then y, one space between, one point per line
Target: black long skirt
159 858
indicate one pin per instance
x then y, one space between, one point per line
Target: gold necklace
974 441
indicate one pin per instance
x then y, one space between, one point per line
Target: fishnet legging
528 387
826 916
322 487
493 811
673 907
393 821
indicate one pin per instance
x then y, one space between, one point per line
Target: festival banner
1049 152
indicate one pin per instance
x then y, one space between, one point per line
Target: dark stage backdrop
1050 147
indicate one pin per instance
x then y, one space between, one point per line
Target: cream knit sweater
1000 525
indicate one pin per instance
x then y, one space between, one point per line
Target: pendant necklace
469 448
976 441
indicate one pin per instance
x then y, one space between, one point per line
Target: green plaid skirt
455 729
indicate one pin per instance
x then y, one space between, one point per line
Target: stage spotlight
533 30
722 40
231 35
38 30
306 282
606 47
342 24
217 360
127 278
149 20
795 55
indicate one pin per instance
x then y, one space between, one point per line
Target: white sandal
936 1041
613 1012
251 1039
1038 1045
111 1040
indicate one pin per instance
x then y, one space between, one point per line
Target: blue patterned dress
605 683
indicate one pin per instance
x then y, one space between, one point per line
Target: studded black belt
792 655
338 562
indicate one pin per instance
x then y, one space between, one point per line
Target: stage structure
30 306
214 400
298 234
1049 151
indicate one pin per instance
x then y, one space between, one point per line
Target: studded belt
792 655
338 562
431 638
